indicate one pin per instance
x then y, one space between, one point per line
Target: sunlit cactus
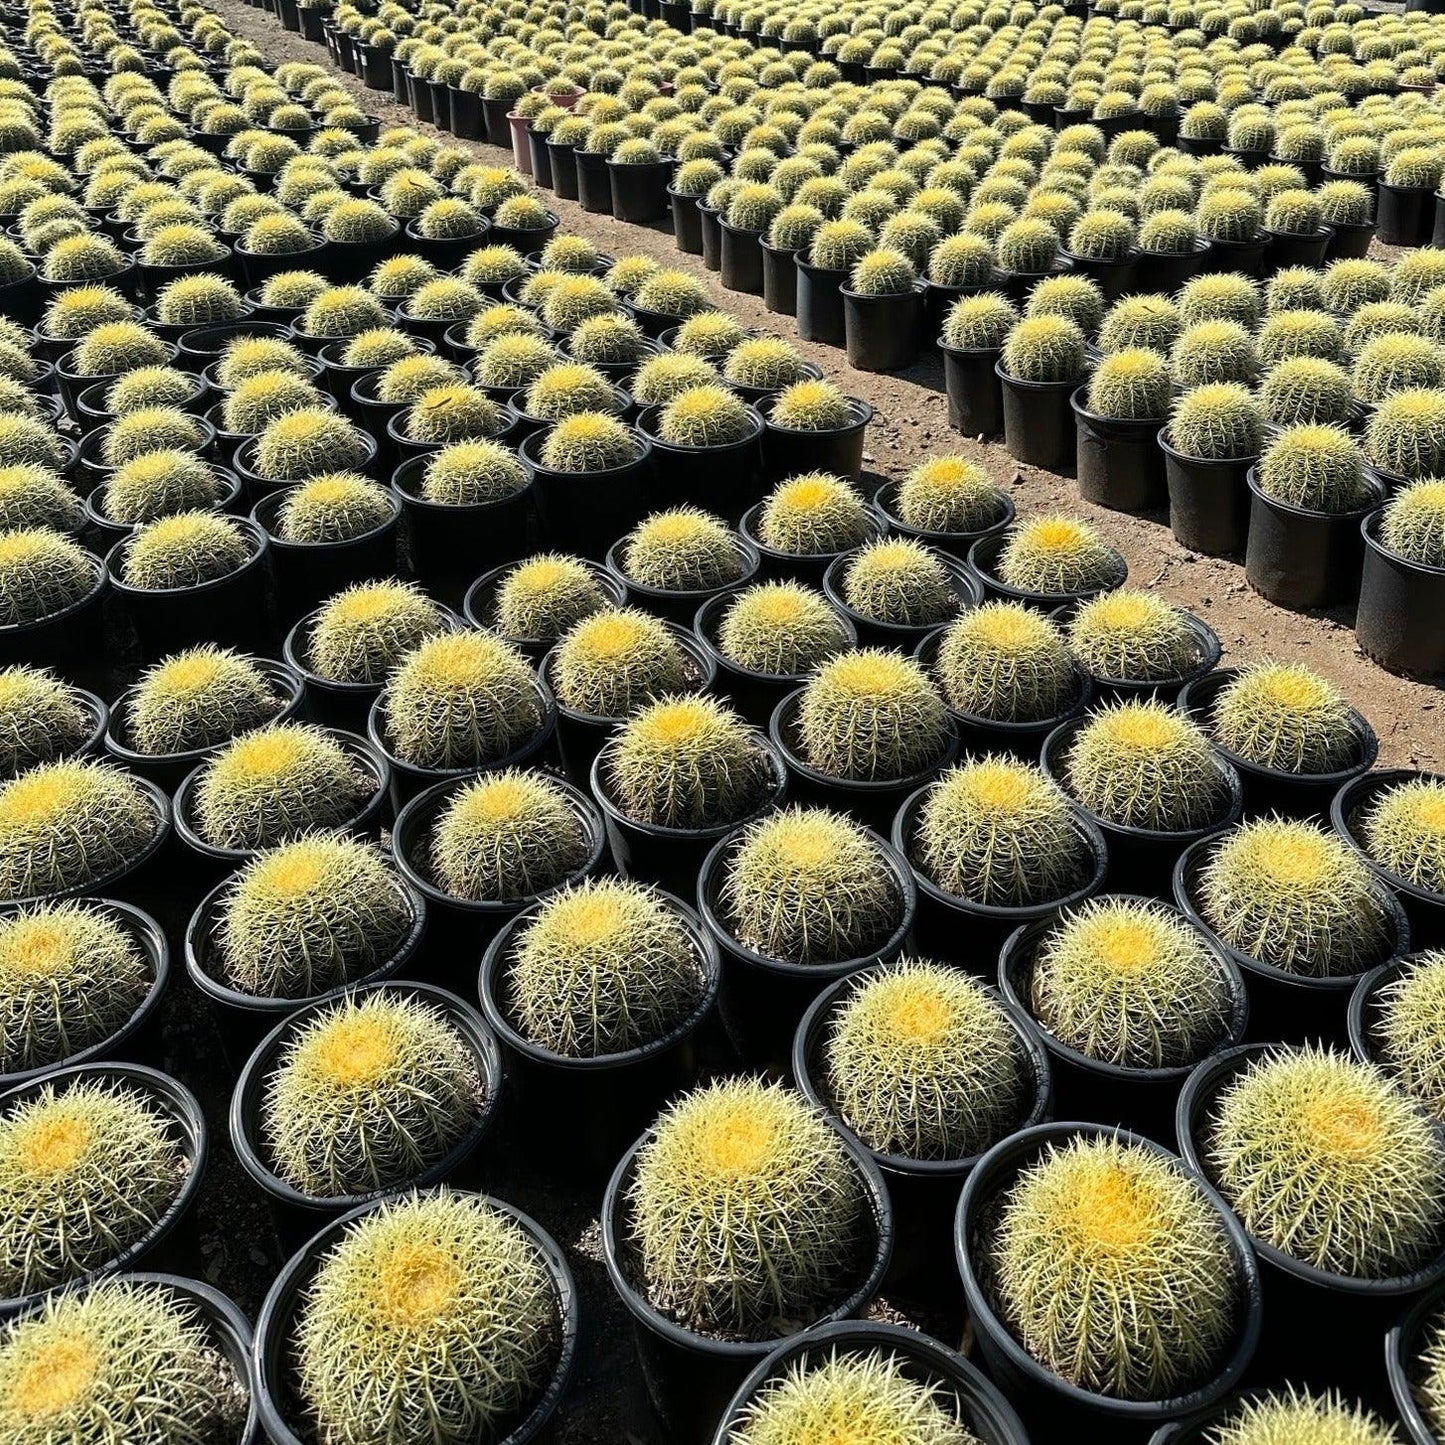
433 1317
1053 553
1324 1159
306 442
811 514
1281 715
922 1061
186 549
34 497
1404 831
409 378
66 824
705 416
1301 1419
41 573
333 507
681 550
669 374
275 783
899 581
1409 1030
810 405
368 1094
747 1212
1006 662
251 356
780 629
40 718
998 832
1134 635
307 916
362 632
616 660
87 1168
197 699
949 494
460 699
159 484
806 885
151 429
1413 523
1113 1270
588 442
544 595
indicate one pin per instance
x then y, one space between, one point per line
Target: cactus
152 429
1301 1417
493 265
588 442
29 441
472 474
149 386
1132 384
34 497
839 245
1098 236
40 719
1134 636
1316 468
446 415
764 363
82 258
1289 334
1216 422
1144 765
1168 233
460 699
609 338
780 629
660 379
1285 717
275 783
265 397
998 832
883 272
41 573
68 1372
398 277
198 698
1374 1206
277 236
810 405
682 550
567 388
672 293
406 380
87 1168
1349 284
1293 213
309 440
1149 322
305 917
198 301
541 597
334 507
1407 1030
616 660
1212 352
1396 362
1294 288
901 582
712 334
704 417
1306 390
1404 831
1131 983
871 715
341 312
1416 274
251 356
1027 246
604 966
509 835
362 632
949 494
367 1094
445 299
1075 298
1006 663
1044 348
575 299
1345 203
747 1212
1229 214
514 361
186 549
117 346
1413 523
1055 554
449 218
961 260
70 978
1414 168
979 323
866 1396
1113 1270
433 1317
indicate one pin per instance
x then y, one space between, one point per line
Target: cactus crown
377 349
603 966
40 718
672 293
509 835
809 886
1404 831
661 378
949 494
264 397
1314 467
1044 348
364 630
1131 983
747 1211
899 581
118 346
1407 433
367 1094
1374 1207
610 338
766 363
34 498
453 413
979 323
615 660
810 405
198 698
1217 421
1132 384
541 597
780 629
1395 362
681 550
1144 765
409 378
461 699
250 356
1096 1222
813 514
1133 635
87 1168
437 1309
187 549
1055 554
1299 1416
1286 717
148 386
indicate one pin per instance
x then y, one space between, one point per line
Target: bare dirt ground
911 424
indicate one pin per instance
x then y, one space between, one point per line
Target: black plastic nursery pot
1275 790
410 779
167 770
686 222
1245 257
983 559
975 394
691 1377
1141 1100
594 183
299 1215
562 165
1325 1330
677 606
1289 1006
229 610
960 1385
284 1415
1166 272
1404 215
206 864
740 259
882 333
1141 860
639 192
874 801
449 544
1052 1407
539 157
1115 276
307 573
787 451
494 116
780 279
1404 1346
754 694
923 1192
583 512
1352 241
819 300
955 544
806 567
1348 809
459 930
709 224
1285 249
672 857
1300 559
171 1243
763 999
966 593
70 641
727 478
580 735
1038 425
1120 465
1402 603
479 606
244 1019
969 933
1208 500
578 1113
